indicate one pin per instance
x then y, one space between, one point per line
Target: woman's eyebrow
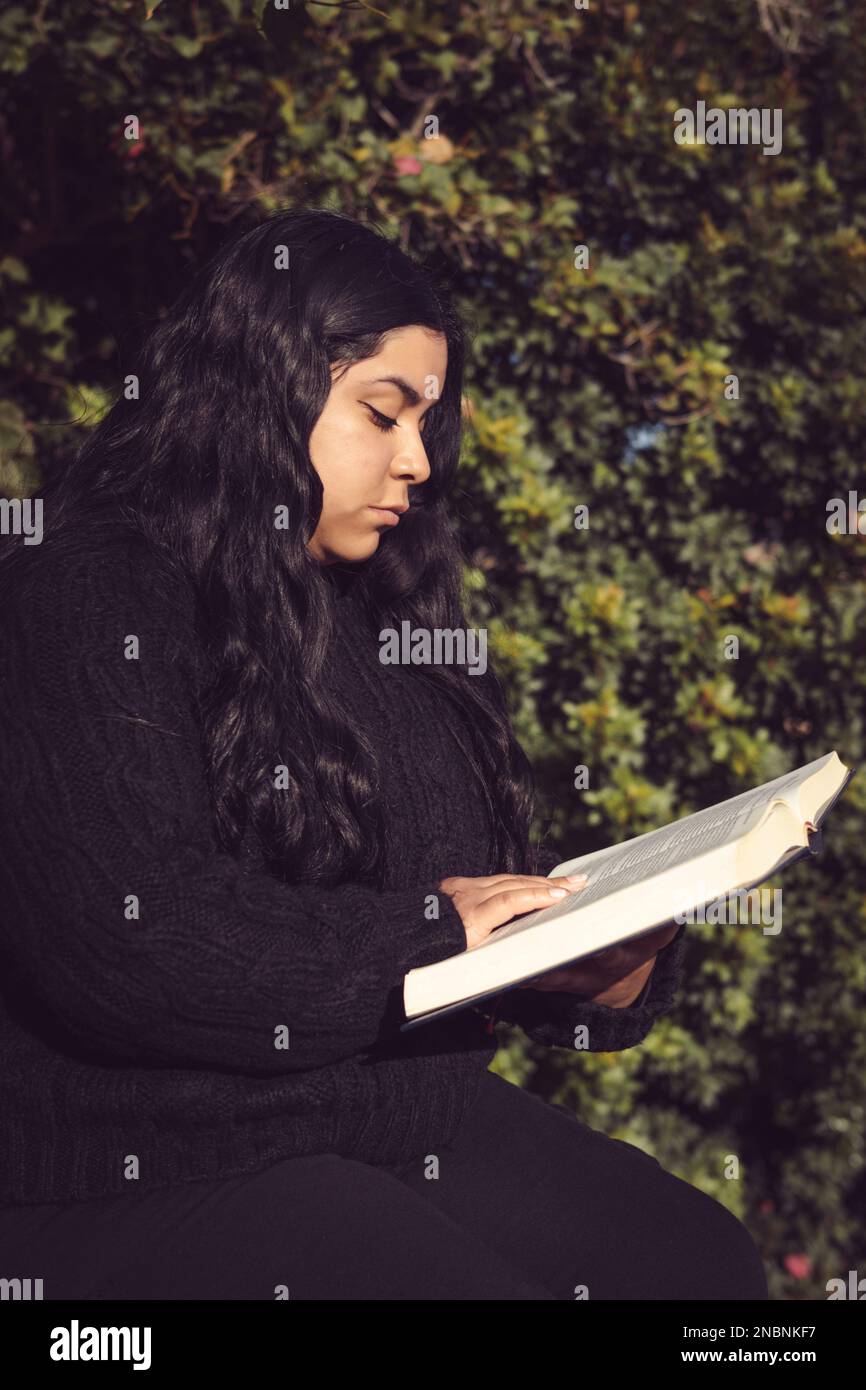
410 395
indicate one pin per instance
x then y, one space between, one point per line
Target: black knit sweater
148 1047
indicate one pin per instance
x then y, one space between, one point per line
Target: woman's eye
382 422
385 423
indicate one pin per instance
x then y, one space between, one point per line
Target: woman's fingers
494 907
513 900
498 907
529 880
490 901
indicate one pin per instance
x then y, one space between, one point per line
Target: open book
639 885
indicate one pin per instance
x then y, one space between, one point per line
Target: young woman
229 830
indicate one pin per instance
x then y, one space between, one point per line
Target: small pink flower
798 1265
407 164
126 149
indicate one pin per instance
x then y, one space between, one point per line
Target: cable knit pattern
155 1036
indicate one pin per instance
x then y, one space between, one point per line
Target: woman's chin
350 552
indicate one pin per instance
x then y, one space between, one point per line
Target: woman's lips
389 518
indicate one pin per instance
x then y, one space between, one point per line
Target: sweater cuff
435 938
439 938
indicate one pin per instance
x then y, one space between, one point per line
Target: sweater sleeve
125 922
551 1018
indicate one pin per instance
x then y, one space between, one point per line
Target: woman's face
367 445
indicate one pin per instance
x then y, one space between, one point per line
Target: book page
634 861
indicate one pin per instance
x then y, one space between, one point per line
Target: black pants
529 1203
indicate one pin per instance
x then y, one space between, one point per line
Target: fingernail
558 892
577 878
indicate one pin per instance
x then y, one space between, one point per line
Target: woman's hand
615 976
488 902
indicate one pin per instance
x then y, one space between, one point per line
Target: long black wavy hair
232 381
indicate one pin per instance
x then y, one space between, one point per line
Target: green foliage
602 387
